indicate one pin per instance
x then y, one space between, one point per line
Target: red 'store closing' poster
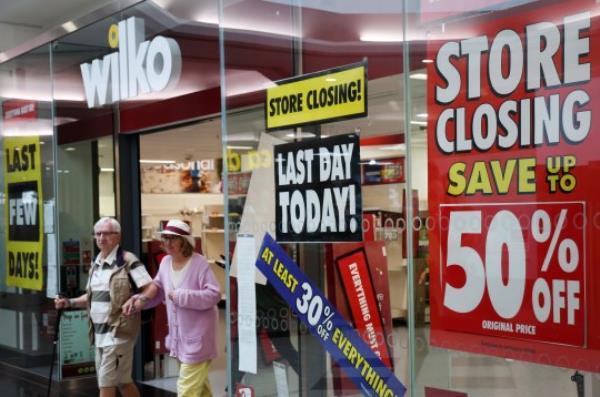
513 185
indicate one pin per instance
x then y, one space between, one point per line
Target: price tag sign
515 270
513 194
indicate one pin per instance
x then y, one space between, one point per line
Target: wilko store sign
138 67
513 187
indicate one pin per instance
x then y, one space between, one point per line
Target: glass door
315 137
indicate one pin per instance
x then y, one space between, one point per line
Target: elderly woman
192 292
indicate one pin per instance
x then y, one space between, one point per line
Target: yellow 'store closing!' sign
23 198
325 96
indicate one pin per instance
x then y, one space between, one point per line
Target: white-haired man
114 277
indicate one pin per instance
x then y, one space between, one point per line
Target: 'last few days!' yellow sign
23 193
325 96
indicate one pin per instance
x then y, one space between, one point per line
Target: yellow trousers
193 380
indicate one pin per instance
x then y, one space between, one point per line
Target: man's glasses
100 234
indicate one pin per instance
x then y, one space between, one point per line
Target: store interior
200 142
167 154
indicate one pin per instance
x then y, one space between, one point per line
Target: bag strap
121 262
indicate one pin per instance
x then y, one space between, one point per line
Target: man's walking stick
54 347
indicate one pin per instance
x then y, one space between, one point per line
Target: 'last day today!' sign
23 192
317 187
333 94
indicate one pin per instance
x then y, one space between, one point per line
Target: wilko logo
138 67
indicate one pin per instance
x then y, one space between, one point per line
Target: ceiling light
372 162
427 61
70 149
107 170
69 26
242 137
417 122
157 161
381 37
15 132
300 134
240 147
421 115
400 147
418 76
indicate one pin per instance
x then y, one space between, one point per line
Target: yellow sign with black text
24 215
334 94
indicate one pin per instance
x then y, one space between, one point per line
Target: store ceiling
202 140
191 142
30 12
23 20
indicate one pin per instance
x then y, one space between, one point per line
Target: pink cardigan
193 315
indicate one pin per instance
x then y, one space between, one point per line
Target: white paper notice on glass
52 274
246 254
49 217
281 381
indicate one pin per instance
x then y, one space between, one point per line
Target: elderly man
114 277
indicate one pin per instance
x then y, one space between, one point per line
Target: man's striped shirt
99 284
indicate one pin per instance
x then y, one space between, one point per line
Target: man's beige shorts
113 364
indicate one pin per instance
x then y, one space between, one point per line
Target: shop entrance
180 178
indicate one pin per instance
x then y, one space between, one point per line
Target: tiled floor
487 376
16 387
217 377
474 375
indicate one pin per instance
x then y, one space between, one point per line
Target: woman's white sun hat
175 227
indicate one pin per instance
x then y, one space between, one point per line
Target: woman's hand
129 307
172 295
140 303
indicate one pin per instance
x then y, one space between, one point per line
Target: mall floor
11 386
476 376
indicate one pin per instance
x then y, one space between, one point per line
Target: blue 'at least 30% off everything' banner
336 335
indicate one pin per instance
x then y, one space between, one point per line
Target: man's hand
61 302
128 307
134 304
